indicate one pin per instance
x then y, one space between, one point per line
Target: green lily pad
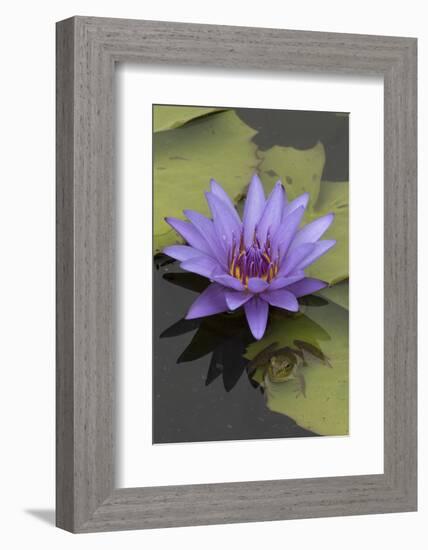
339 294
299 170
316 396
185 159
168 117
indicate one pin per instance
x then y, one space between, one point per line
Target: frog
284 366
277 366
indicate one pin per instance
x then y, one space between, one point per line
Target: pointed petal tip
256 312
257 333
255 177
320 282
329 218
171 221
256 184
182 252
278 185
214 184
279 190
189 213
307 286
209 302
190 315
304 198
328 243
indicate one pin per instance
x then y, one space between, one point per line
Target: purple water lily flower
256 262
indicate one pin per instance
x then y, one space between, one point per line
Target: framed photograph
236 274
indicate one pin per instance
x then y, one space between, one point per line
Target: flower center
252 261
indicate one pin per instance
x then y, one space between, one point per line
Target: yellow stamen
266 257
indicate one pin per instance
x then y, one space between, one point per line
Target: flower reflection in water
226 337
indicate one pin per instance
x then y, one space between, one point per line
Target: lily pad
339 294
317 395
299 170
168 117
185 159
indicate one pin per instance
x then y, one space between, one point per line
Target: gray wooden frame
87 50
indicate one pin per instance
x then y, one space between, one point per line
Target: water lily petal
229 281
207 230
218 190
272 213
204 266
306 286
301 200
189 233
253 209
210 302
227 227
313 231
256 311
235 298
182 252
281 298
281 282
320 248
286 232
294 258
257 285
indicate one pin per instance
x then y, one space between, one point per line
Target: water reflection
219 353
226 337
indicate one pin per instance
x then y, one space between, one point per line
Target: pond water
203 385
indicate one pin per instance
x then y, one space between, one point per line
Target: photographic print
250 273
